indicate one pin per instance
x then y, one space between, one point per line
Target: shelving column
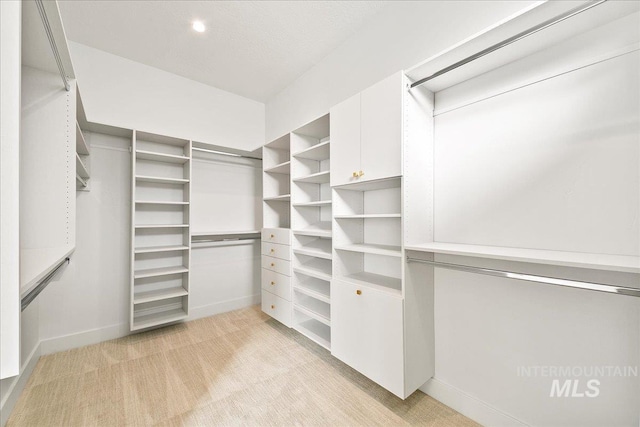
311 229
160 238
276 234
82 148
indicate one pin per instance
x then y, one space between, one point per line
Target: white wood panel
367 333
10 19
226 194
277 284
345 141
381 129
277 308
550 166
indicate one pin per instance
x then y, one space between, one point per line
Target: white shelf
160 294
622 263
81 181
161 180
155 319
315 178
368 216
81 169
376 281
319 229
320 248
160 157
81 144
281 198
314 288
317 152
312 204
142 226
369 248
314 308
314 268
282 168
156 202
35 264
154 249
379 184
316 332
154 272
224 233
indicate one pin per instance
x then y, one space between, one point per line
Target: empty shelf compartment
319 229
160 157
164 271
316 267
158 294
316 288
316 331
376 281
314 308
317 152
315 178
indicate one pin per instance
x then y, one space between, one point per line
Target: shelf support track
28 298
52 42
620 290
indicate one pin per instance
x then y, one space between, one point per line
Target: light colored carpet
237 368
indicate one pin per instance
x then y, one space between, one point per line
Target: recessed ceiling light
199 26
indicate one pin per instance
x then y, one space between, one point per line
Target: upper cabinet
367 133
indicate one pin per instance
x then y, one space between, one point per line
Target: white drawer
277 284
278 265
277 250
277 308
277 235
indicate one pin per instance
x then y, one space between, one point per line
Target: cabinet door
367 333
381 129
345 141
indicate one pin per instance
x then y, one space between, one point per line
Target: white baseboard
223 306
468 405
15 389
94 336
80 339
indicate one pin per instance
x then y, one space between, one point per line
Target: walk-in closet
327 213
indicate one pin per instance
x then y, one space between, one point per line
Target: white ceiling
251 48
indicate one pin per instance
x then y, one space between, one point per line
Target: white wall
396 39
120 92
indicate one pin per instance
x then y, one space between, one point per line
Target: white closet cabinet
368 333
367 133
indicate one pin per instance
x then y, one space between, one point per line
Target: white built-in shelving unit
160 238
276 234
311 228
82 148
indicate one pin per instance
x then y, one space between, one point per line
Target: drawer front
277 284
277 308
277 235
275 264
277 250
367 333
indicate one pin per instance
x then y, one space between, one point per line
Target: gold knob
272 236
273 264
273 306
360 173
273 283
358 292
355 174
273 250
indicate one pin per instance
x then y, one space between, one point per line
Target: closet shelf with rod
160 157
161 180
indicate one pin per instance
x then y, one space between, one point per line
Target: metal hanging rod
510 40
621 290
52 42
224 153
28 298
